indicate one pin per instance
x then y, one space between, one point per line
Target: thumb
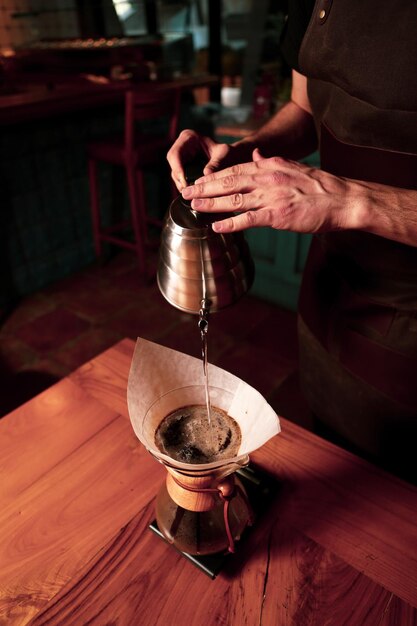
256 155
210 168
218 158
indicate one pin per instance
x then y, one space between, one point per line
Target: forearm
390 212
290 133
288 195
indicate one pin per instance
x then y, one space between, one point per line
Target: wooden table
339 545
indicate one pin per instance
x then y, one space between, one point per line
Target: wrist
386 211
361 206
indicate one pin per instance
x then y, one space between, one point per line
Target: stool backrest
142 105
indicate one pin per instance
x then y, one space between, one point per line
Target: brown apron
358 301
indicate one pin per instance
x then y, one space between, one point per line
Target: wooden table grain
338 546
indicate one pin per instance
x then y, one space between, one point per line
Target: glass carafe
200 508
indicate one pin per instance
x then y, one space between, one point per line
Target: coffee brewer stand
201 509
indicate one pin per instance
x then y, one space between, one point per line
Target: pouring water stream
203 326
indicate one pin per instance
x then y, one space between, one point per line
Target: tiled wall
45 225
45 219
23 22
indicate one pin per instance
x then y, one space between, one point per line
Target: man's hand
275 192
190 145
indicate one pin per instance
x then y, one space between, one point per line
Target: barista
358 301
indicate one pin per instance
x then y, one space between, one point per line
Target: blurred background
65 66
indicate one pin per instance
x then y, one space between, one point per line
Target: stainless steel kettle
198 267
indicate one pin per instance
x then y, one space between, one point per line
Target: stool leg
142 204
95 209
137 208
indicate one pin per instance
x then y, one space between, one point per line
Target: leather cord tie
226 493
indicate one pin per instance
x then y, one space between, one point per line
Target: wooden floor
52 332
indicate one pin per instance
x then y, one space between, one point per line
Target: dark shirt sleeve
297 19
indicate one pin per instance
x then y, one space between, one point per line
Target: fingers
218 155
234 202
188 145
219 187
253 167
256 155
241 169
234 170
179 179
250 219
177 154
236 193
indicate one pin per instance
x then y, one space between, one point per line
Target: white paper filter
156 370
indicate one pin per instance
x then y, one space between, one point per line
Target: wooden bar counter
33 102
338 545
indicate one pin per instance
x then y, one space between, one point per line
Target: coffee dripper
200 508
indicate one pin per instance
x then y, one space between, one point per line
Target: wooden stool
134 151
